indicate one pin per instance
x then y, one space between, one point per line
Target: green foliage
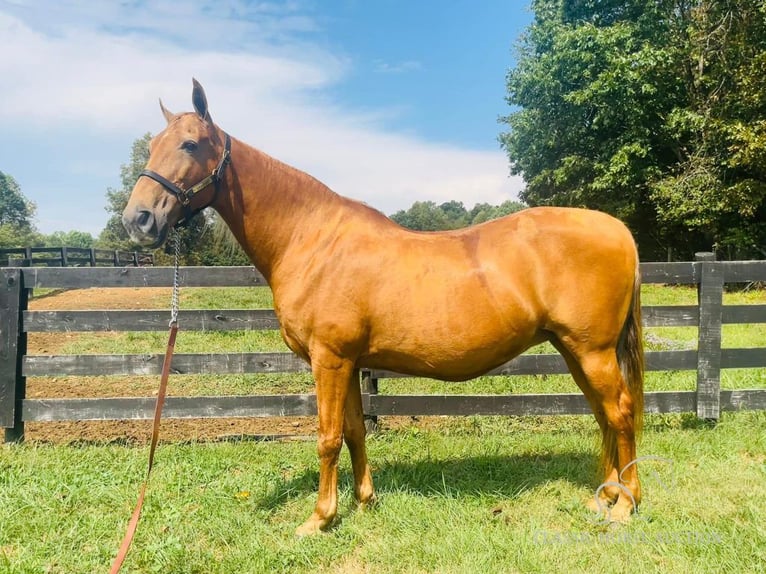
15 209
69 239
16 214
114 236
652 111
427 216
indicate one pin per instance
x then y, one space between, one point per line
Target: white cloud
98 71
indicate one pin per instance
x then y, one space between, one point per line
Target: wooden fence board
684 272
241 363
743 358
183 364
743 399
424 405
670 360
549 364
149 320
81 278
261 319
744 314
670 316
141 408
238 363
744 271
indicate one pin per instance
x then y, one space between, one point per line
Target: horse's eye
189 146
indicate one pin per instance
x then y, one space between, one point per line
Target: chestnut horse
452 304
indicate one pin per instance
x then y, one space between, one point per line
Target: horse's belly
449 362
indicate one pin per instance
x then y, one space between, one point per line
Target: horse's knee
328 447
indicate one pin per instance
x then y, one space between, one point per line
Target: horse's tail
630 357
630 353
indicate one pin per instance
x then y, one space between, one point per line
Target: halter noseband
184 196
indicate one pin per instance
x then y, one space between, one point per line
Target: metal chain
174 296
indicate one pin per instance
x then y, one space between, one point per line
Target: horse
452 305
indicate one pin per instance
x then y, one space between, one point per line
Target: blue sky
387 102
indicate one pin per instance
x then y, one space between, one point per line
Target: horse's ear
166 112
200 101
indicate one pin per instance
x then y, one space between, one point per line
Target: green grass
477 495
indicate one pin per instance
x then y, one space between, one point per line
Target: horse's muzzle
144 227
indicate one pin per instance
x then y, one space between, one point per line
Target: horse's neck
266 202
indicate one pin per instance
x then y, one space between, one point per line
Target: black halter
184 196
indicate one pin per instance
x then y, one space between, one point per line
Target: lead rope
133 523
174 295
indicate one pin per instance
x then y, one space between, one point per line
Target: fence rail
72 257
16 321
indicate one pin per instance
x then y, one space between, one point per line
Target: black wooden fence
72 257
16 321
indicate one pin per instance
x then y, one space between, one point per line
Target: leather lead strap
133 524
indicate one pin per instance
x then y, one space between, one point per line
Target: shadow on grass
472 476
683 421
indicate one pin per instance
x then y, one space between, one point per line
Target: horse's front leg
333 378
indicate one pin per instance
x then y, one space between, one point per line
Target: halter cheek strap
185 196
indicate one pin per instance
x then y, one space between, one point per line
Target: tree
482 212
114 235
718 186
16 214
633 107
427 216
422 216
69 239
15 209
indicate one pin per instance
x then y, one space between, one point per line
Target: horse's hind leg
354 435
598 375
606 386
608 494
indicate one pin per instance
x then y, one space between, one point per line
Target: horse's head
182 176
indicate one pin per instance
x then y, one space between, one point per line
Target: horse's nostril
144 219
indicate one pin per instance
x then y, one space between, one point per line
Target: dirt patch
117 298
136 386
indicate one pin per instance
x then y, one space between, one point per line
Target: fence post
710 300
13 347
92 254
64 257
369 387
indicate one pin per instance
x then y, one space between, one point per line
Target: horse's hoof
619 514
598 505
368 504
311 527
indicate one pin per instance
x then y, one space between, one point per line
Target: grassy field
474 494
